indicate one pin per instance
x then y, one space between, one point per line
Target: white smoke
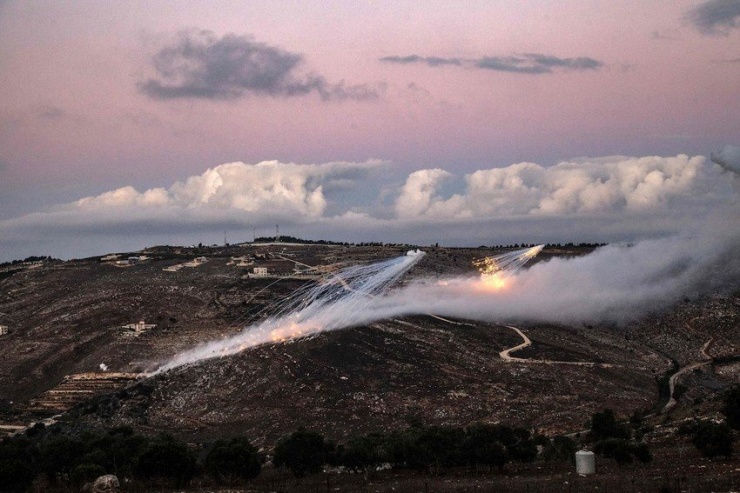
339 301
614 284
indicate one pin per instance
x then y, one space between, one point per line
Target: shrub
236 458
713 439
604 425
303 452
169 459
731 407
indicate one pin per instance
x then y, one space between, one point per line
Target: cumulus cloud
598 199
581 187
202 66
528 63
716 17
728 158
288 189
416 195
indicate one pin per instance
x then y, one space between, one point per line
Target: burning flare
496 272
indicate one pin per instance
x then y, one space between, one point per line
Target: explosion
496 272
341 299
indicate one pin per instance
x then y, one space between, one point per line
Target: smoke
339 301
615 284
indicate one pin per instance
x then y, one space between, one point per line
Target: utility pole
277 232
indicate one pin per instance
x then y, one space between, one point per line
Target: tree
560 449
59 455
731 407
483 447
364 453
713 439
617 449
237 458
604 425
303 452
16 472
169 459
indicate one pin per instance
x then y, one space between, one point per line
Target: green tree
560 449
59 455
731 407
233 459
604 425
303 452
169 459
713 439
16 465
482 446
364 453
617 449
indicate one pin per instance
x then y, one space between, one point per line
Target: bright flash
495 272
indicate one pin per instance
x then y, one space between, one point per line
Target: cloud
431 61
201 66
716 17
597 199
613 185
270 187
416 195
728 158
529 63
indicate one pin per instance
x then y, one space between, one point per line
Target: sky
133 123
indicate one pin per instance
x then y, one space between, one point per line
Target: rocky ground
67 318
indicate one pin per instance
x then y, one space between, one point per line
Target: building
3 330
259 271
136 329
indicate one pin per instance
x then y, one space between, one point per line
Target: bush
364 453
604 425
731 407
233 459
713 439
303 452
86 473
617 449
560 449
168 459
16 471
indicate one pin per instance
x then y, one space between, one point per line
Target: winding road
526 342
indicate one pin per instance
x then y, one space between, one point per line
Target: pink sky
74 122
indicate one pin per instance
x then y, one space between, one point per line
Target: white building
3 330
138 328
259 271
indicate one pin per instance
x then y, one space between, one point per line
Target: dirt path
526 342
706 359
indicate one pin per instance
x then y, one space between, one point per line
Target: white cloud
599 199
417 194
267 187
618 184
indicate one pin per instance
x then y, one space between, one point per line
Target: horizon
140 123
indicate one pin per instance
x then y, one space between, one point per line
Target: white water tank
585 462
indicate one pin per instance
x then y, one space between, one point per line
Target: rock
106 484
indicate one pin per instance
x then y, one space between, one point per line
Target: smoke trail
341 300
614 284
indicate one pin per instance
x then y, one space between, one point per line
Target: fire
495 281
498 272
